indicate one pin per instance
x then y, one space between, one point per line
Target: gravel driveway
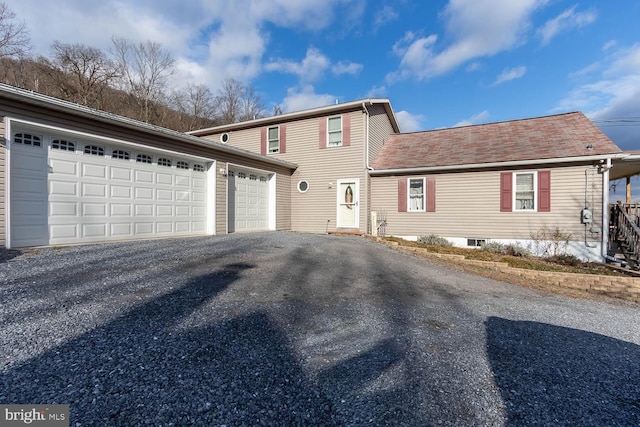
296 329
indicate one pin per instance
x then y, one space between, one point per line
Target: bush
549 242
565 259
516 249
432 239
494 248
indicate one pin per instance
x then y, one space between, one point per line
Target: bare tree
146 68
237 102
14 36
86 72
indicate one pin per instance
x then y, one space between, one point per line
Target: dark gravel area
296 329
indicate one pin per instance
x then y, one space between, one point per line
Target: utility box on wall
586 216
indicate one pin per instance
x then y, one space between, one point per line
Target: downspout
368 168
605 209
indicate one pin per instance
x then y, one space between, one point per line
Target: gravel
293 329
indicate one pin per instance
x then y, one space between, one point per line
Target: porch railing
627 232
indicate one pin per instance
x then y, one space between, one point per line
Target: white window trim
269 150
535 191
424 195
329 132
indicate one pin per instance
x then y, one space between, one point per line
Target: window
476 242
94 150
303 186
164 162
198 168
27 139
334 131
144 158
274 139
525 190
416 195
120 154
182 165
61 144
242 175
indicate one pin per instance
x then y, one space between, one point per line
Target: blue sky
441 63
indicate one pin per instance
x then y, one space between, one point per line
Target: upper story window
27 139
61 144
198 168
334 131
94 150
164 162
416 195
274 139
182 165
120 154
525 191
144 158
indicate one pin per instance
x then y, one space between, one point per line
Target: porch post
628 190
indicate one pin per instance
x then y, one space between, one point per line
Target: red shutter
263 141
431 194
322 125
506 194
544 191
283 138
346 130
402 195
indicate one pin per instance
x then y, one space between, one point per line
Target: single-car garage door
248 200
66 190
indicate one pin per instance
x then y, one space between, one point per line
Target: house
76 175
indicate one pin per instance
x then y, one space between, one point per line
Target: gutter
44 101
559 160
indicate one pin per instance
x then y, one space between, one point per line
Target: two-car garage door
72 191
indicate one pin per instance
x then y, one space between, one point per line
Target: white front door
348 203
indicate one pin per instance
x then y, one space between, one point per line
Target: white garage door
248 200
67 191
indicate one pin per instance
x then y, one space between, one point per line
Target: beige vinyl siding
315 210
48 117
468 206
3 218
379 129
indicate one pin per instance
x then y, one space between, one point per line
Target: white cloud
311 68
298 99
477 28
612 94
566 20
509 74
384 16
410 122
609 45
377 92
481 117
346 67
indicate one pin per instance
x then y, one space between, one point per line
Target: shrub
565 259
433 239
549 242
516 249
494 248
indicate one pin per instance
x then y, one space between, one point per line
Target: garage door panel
63 188
183 181
64 167
94 170
118 209
121 174
94 209
164 179
143 228
122 229
143 210
143 193
164 227
183 226
94 230
64 231
162 194
94 190
63 209
144 177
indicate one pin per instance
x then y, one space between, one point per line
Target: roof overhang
626 166
36 99
497 165
304 114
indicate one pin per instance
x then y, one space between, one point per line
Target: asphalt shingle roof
550 137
